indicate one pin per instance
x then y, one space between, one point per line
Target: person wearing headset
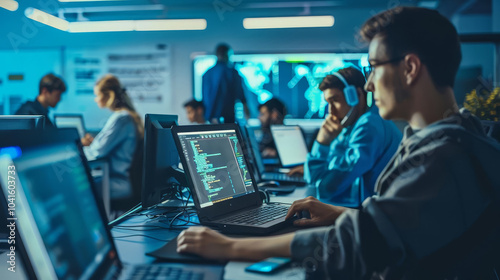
353 145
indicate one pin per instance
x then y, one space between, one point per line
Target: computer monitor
310 128
290 144
22 122
58 218
25 138
160 153
71 120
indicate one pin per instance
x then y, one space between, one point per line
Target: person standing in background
222 86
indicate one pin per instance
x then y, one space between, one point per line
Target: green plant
485 105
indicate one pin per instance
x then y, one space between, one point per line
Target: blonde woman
118 139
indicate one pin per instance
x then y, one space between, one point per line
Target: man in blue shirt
353 145
49 94
222 86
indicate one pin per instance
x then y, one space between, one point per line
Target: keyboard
258 216
282 177
155 272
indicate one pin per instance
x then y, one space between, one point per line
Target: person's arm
207 95
238 88
111 135
321 214
296 171
213 245
240 93
431 198
87 140
333 171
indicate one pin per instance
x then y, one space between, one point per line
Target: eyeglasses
367 70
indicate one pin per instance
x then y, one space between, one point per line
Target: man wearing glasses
437 208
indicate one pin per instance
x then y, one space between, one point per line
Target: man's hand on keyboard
322 214
205 242
297 171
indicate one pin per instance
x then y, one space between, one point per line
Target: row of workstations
59 220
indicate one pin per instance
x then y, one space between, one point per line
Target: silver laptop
71 121
259 165
290 144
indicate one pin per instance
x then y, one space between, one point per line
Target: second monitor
160 154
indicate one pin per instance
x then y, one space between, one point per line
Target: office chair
492 129
135 178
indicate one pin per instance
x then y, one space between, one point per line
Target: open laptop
259 165
224 189
60 226
71 120
290 144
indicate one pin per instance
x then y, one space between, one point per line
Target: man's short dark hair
423 32
195 104
51 82
222 52
352 76
274 104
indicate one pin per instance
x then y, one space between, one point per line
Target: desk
132 249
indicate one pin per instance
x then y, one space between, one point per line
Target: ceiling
163 9
223 16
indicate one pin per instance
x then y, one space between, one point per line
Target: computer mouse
268 184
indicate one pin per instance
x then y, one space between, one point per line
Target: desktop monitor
21 122
160 153
70 120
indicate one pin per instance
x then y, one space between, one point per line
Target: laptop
290 144
224 189
60 227
71 120
257 134
259 165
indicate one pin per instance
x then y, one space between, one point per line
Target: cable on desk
133 209
134 235
187 222
144 227
190 222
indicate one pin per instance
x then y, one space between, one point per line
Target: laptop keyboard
283 177
162 272
258 216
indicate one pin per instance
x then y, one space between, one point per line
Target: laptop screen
71 121
257 158
290 144
216 165
59 221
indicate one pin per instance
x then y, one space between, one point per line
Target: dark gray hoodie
441 179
